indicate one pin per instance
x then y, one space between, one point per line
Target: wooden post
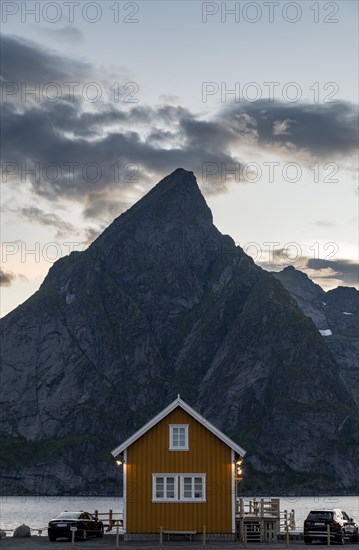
161 537
204 536
328 535
245 536
241 528
118 534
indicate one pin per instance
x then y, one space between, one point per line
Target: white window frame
178 488
193 498
185 447
154 487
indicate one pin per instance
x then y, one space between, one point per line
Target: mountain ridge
336 311
163 303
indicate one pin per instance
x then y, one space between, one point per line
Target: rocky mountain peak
344 298
175 200
163 303
171 217
298 278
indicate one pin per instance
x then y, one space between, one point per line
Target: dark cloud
64 229
6 278
345 270
36 215
322 129
214 135
24 61
40 137
156 140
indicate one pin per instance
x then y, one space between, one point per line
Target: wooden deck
262 520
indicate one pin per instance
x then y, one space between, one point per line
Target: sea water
36 511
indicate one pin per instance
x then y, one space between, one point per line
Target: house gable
164 413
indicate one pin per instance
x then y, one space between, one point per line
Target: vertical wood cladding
206 455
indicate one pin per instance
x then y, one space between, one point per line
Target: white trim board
178 403
234 496
124 518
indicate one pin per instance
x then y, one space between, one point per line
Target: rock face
22 531
336 314
162 303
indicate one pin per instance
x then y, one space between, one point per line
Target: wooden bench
187 534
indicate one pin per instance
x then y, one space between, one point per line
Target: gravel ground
109 541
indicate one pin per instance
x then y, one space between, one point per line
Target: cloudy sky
100 100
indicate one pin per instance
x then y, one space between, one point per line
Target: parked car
86 525
342 527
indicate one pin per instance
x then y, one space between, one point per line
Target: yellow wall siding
207 455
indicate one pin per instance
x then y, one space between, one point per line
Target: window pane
198 487
179 437
187 487
182 437
160 487
170 487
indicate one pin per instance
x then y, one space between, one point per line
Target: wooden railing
287 520
110 519
258 508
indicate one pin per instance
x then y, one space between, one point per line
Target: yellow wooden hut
179 474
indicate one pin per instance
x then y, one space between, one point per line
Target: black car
342 527
86 526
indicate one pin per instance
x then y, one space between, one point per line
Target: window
193 487
164 487
179 437
179 487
